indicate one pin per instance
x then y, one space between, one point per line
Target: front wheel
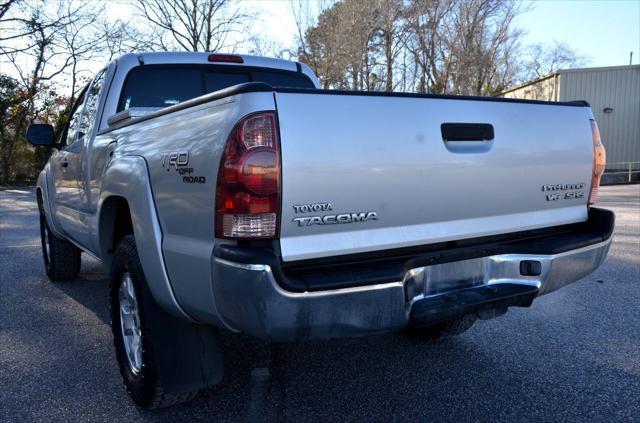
61 258
163 360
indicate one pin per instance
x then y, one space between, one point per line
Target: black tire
178 358
61 258
444 330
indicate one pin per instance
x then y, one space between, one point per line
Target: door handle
467 131
64 163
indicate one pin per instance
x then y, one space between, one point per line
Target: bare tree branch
192 25
542 59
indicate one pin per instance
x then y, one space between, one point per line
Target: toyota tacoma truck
231 192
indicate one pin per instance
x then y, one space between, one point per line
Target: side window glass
92 98
74 120
159 87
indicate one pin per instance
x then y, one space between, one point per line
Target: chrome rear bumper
250 300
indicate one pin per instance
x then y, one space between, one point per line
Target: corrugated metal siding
619 89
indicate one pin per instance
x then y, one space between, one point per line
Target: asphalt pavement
573 355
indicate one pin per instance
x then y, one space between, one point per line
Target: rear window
163 86
215 81
280 80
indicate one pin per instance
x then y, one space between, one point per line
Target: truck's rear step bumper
487 301
250 297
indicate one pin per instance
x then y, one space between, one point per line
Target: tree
344 46
392 30
11 98
542 59
87 38
426 23
124 37
483 46
445 46
191 25
5 5
323 50
260 46
464 46
42 44
37 30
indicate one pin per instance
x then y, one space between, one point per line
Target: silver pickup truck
226 191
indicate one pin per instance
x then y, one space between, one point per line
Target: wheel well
115 223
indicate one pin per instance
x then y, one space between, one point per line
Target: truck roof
187 57
152 58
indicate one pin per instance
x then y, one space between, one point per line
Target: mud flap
188 356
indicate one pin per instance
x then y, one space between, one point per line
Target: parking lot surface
572 356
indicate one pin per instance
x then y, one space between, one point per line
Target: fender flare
128 177
42 186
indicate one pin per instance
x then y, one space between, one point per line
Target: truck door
63 180
69 166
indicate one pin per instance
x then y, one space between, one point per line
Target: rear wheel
61 258
445 329
163 360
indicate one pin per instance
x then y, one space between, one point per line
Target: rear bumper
250 298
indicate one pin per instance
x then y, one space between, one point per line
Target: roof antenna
630 58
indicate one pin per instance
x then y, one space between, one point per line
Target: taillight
248 190
225 58
599 161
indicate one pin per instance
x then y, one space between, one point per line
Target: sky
604 31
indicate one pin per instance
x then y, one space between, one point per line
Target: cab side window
92 98
74 120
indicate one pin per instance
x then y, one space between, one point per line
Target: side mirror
40 134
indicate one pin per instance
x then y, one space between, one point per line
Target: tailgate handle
467 131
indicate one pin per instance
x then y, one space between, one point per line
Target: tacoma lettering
332 219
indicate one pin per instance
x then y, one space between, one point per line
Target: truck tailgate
381 163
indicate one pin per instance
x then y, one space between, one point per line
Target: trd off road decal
178 161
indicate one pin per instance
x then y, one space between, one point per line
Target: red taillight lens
599 162
248 191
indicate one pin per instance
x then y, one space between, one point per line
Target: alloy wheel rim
130 323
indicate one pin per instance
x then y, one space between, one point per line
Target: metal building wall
617 88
